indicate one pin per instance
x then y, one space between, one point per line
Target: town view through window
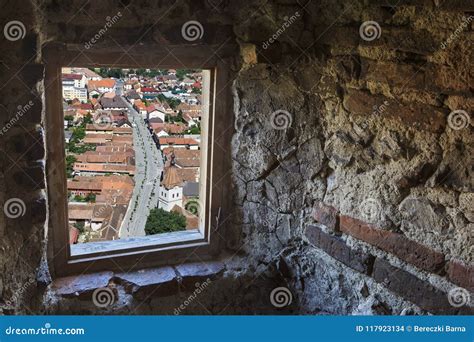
133 156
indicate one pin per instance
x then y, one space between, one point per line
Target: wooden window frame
218 60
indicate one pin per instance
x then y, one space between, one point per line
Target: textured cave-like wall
369 139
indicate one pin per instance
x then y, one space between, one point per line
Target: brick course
337 248
397 244
415 290
460 274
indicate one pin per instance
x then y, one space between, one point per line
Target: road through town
149 166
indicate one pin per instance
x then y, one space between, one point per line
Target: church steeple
171 178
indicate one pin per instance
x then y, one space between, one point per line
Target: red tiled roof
105 83
72 76
148 90
177 141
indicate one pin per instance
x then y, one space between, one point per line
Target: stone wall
352 154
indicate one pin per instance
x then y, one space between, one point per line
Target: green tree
87 119
194 130
90 198
161 221
69 118
79 225
70 160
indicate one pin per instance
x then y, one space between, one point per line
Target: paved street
149 165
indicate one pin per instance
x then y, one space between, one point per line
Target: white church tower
171 190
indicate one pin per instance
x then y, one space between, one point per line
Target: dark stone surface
193 273
151 282
397 244
36 210
414 289
80 285
336 247
31 176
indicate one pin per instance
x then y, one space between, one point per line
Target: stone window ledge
158 282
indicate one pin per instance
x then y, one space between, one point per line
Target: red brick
397 244
461 275
337 248
415 290
326 215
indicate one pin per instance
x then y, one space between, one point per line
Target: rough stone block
326 215
442 78
415 290
248 53
157 282
36 211
193 273
30 144
395 75
419 116
462 275
81 285
457 5
397 244
336 248
31 177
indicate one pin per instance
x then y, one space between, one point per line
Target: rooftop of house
192 221
101 167
86 72
109 95
104 83
177 141
114 148
148 90
71 76
132 95
184 157
115 102
170 128
191 189
116 158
